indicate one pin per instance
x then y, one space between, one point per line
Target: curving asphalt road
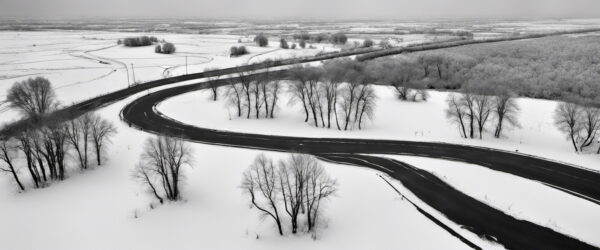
475 216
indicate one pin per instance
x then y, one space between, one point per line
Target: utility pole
186 72
127 71
133 73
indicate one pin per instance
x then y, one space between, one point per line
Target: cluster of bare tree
403 74
339 90
46 144
254 95
478 104
295 186
557 68
581 124
161 166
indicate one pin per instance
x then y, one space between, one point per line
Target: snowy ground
85 64
98 208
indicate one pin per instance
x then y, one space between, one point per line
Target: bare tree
505 109
161 166
213 83
367 104
567 118
256 91
467 100
483 109
33 97
260 182
318 188
234 97
292 179
56 146
26 145
275 89
334 75
247 88
79 131
101 131
146 174
456 113
298 88
7 154
590 124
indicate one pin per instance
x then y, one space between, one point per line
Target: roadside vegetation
292 191
138 41
238 51
45 149
165 48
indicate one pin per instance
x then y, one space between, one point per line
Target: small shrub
168 48
237 51
139 41
261 40
303 44
283 44
293 46
367 43
339 38
157 49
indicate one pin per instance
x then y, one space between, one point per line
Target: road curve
475 216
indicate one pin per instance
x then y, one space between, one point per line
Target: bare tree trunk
12 170
499 126
573 141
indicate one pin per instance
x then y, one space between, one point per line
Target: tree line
252 96
297 187
475 106
46 144
338 94
138 41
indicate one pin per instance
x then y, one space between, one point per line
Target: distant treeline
556 68
336 38
138 41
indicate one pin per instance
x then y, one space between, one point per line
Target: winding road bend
464 210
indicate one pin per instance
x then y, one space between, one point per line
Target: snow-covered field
105 209
85 64
98 208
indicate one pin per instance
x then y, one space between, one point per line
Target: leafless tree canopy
260 183
255 97
101 132
339 91
33 97
298 186
580 123
7 155
161 166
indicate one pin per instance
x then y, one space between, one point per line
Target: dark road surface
475 216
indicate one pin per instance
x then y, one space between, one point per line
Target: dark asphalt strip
476 216
419 209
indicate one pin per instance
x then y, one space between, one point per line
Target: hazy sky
397 9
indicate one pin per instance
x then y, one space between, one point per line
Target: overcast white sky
397 9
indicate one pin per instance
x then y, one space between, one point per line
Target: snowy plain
99 208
